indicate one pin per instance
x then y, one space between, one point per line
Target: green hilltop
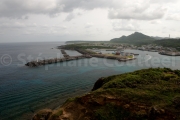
141 39
135 38
148 94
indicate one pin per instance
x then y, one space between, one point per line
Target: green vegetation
153 81
141 39
85 46
71 100
148 94
151 87
135 38
112 113
58 113
175 43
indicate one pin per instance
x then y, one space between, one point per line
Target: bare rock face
98 84
151 99
43 114
86 107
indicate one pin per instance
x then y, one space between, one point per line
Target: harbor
57 60
120 56
65 59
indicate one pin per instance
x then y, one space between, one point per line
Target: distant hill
135 38
159 38
175 43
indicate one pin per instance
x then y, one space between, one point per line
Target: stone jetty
55 60
85 54
121 59
64 53
125 60
170 53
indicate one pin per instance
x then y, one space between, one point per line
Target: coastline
85 54
107 100
100 56
169 54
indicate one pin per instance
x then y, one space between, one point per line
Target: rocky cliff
151 94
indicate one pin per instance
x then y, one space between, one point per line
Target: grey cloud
163 1
88 25
123 25
131 13
155 22
31 26
88 4
175 17
70 17
44 26
100 30
17 25
60 27
119 9
20 8
64 27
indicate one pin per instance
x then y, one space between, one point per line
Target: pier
64 53
85 54
55 60
119 58
170 53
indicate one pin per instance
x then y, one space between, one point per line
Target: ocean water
25 90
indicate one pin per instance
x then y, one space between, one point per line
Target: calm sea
25 90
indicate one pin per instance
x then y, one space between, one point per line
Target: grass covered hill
135 38
175 43
148 94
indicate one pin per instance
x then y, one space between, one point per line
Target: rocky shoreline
55 60
169 53
127 96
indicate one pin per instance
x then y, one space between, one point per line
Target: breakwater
64 53
85 54
58 60
55 60
119 58
170 53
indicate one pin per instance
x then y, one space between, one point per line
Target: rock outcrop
141 95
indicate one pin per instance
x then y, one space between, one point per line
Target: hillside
175 43
135 38
149 94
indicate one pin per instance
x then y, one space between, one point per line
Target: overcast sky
61 20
